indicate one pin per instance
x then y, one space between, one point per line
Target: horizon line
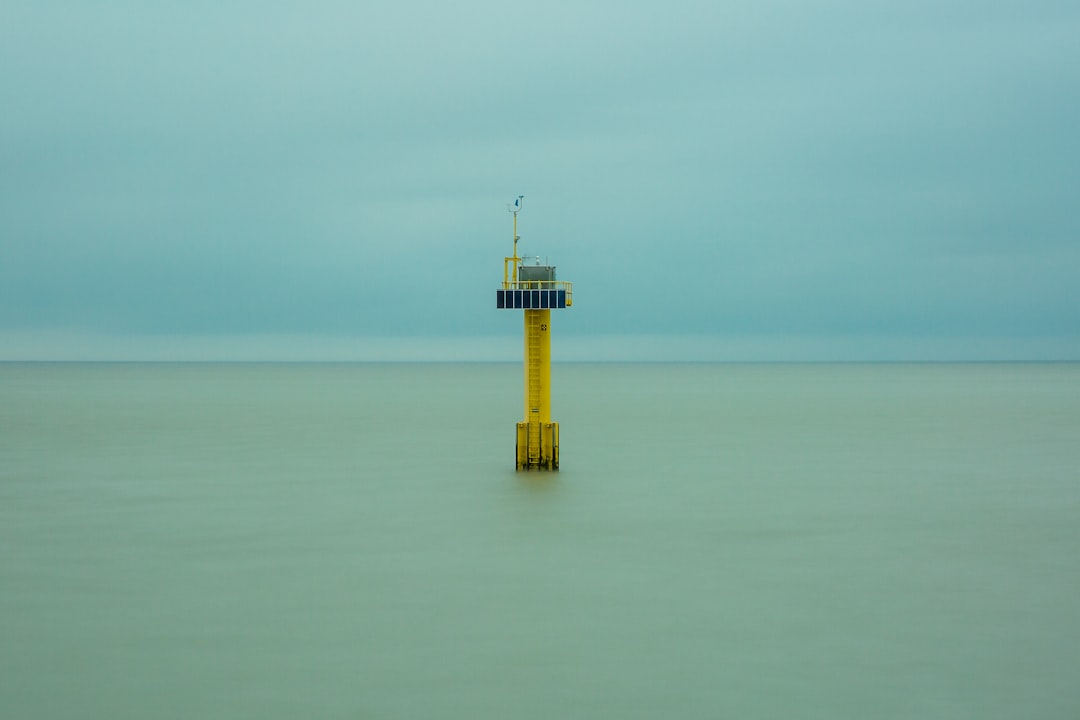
79 346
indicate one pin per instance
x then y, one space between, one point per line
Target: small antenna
515 208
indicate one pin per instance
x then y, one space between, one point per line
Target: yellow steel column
537 366
538 436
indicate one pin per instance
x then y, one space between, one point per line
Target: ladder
535 389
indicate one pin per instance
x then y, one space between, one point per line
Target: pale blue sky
741 180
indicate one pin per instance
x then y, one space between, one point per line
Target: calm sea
723 541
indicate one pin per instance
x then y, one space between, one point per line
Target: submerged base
537 446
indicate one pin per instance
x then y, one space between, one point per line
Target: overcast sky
720 180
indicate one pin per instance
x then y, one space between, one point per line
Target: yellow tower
534 289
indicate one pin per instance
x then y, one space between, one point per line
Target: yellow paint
537 436
537 365
548 456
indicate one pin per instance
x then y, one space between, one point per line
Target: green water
351 541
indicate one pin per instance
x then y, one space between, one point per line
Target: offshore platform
534 290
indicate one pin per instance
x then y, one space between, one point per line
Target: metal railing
542 285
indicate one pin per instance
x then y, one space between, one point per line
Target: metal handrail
542 285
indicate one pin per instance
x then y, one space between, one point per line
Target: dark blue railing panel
530 299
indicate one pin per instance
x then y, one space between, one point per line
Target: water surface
281 541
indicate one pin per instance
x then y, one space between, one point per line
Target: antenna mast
514 208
